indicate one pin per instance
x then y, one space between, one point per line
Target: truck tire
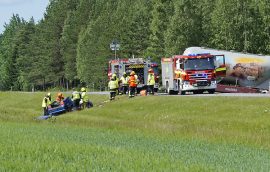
172 92
212 91
182 92
198 92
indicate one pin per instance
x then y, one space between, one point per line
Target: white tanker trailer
244 72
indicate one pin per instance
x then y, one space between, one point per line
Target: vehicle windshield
199 64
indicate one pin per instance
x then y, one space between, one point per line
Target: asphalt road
205 94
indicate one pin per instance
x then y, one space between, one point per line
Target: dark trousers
45 109
150 89
76 103
132 91
124 89
112 94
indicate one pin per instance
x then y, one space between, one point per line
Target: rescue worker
60 98
132 84
124 83
46 103
117 81
76 97
84 98
151 81
112 87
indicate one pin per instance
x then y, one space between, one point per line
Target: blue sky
25 8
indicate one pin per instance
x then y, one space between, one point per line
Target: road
206 95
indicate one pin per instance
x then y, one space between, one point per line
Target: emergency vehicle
139 65
245 72
190 73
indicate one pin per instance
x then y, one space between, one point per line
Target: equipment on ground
246 73
189 73
138 65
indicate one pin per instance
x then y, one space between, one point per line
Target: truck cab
191 73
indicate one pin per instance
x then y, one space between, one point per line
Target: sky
25 8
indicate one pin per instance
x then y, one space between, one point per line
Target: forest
70 46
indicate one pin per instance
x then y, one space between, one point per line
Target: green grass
153 133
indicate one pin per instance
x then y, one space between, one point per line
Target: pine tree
162 11
184 29
9 54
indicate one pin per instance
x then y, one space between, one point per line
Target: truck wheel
200 91
182 92
170 92
167 90
212 91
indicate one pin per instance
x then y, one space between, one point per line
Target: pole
114 51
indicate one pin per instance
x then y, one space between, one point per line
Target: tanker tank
243 69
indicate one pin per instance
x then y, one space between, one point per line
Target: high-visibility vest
124 80
46 102
151 79
112 85
117 82
76 95
136 79
85 97
132 81
177 73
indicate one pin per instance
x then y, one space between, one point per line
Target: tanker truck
247 73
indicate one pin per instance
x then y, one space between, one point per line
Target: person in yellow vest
113 83
178 73
124 83
151 81
46 103
76 97
84 98
117 81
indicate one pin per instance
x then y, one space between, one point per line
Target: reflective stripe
220 69
136 66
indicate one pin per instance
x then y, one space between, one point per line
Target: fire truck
245 72
139 65
191 73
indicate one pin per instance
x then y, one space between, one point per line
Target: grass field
153 133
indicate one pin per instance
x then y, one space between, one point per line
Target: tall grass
153 133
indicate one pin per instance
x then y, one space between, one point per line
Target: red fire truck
138 65
191 73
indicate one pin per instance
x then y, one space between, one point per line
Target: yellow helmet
83 89
48 95
114 75
132 73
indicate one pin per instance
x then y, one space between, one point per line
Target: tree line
69 47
